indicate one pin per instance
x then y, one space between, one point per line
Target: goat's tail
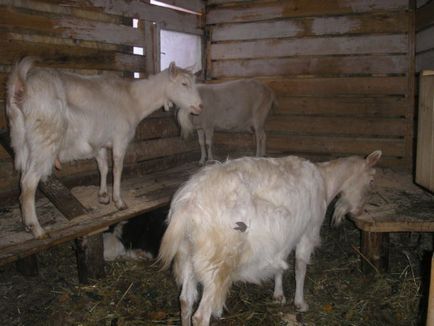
185 123
14 103
174 235
17 81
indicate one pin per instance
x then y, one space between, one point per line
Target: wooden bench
395 204
142 193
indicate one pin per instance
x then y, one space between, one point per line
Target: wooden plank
171 19
325 65
93 221
338 45
339 86
155 148
313 26
392 107
69 56
425 16
425 39
262 11
316 144
425 135
68 27
425 60
336 126
157 128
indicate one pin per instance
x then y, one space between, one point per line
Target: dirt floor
137 293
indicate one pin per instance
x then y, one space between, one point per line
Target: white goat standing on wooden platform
58 117
239 105
239 221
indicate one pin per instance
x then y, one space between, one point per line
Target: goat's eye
184 84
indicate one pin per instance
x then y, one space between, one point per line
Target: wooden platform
395 204
142 193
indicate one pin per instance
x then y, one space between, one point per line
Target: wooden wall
343 71
425 35
92 37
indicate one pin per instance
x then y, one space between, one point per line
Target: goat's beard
342 207
185 123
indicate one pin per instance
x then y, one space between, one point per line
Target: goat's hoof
104 198
37 231
302 306
279 299
120 205
201 163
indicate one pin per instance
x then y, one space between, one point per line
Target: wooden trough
396 204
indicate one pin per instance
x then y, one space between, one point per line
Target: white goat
58 117
239 221
239 105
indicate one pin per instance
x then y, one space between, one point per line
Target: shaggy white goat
239 221
57 116
239 105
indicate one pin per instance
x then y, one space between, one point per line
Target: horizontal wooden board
396 22
100 9
425 39
304 8
371 44
157 128
336 126
69 56
306 65
425 60
15 20
169 18
343 106
425 16
339 86
319 144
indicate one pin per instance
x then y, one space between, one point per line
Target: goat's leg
302 258
188 294
278 294
209 134
201 137
261 139
118 164
29 183
101 159
215 290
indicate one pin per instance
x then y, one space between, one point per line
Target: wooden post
375 251
89 251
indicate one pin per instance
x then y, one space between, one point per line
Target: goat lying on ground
240 105
138 238
239 221
58 116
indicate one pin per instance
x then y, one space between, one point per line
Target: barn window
183 48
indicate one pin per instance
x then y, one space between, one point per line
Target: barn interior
350 77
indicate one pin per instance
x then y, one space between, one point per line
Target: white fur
281 201
60 116
239 105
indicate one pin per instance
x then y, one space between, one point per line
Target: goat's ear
373 158
173 71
